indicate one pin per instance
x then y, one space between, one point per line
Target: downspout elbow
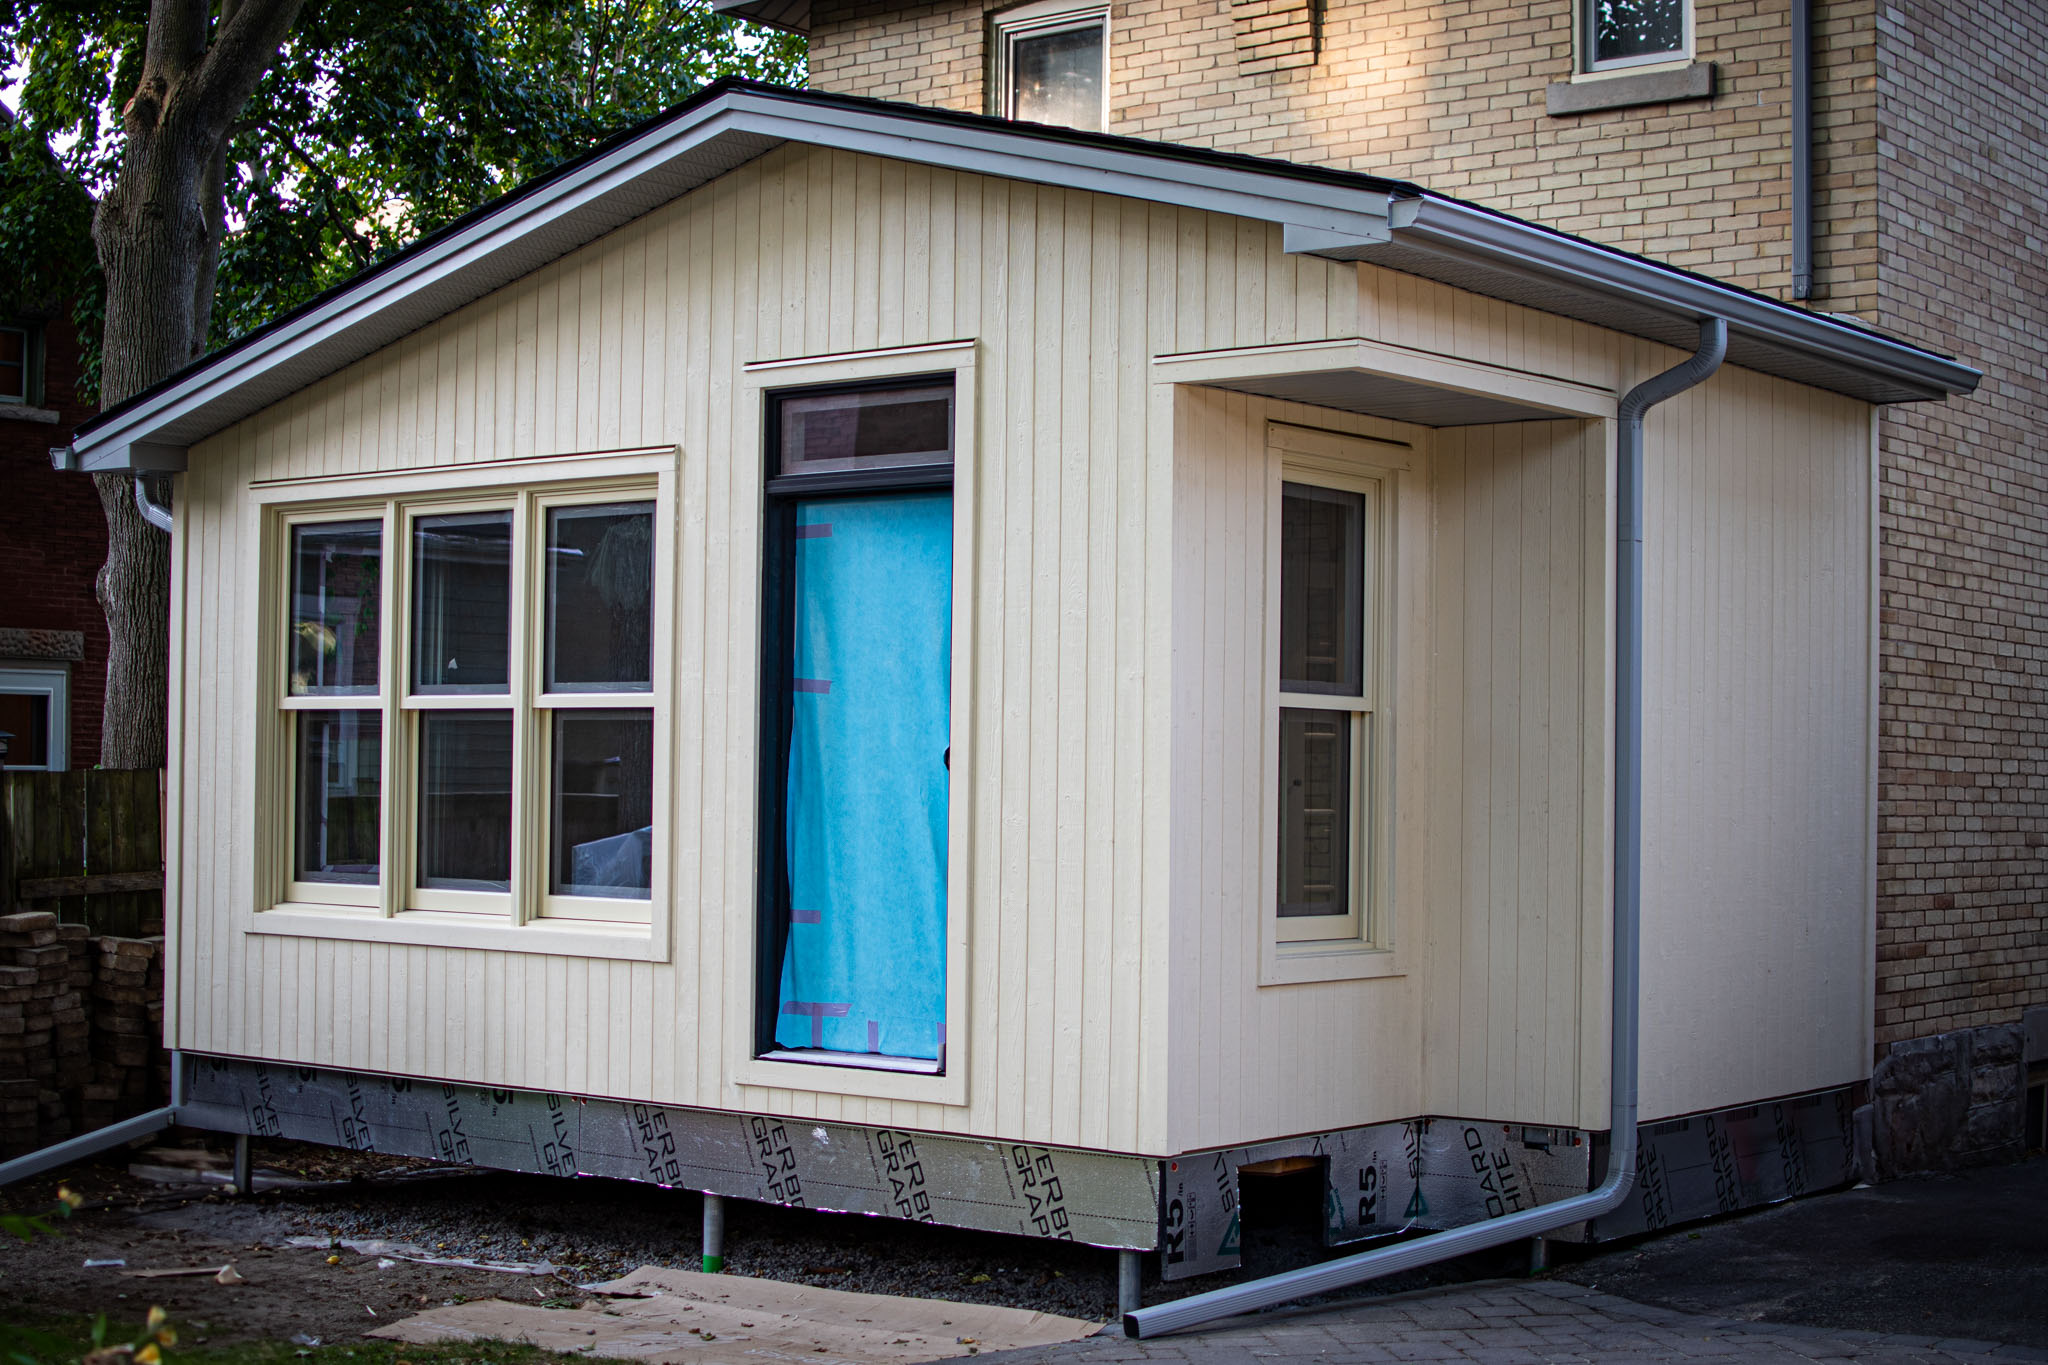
153 512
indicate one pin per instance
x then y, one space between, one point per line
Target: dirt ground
285 1293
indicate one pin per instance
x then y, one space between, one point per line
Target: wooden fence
87 845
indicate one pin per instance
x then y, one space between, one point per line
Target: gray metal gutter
1625 968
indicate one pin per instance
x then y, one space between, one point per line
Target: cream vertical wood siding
1117 690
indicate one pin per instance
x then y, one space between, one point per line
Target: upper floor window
17 368
1052 61
1623 33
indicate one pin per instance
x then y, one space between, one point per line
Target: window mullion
394 843
520 659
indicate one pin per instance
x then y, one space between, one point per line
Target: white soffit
794 15
1331 214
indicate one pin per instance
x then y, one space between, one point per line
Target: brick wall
1452 96
53 538
1962 89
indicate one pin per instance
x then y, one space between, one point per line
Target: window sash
1353 698
1043 21
1589 40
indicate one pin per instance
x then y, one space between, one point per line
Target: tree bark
157 232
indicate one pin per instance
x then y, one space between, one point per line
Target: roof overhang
794 15
1331 214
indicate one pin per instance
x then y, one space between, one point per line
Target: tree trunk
157 233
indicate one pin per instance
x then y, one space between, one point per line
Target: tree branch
176 41
244 46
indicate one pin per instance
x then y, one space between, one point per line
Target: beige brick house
1669 129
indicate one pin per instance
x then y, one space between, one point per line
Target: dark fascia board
1335 214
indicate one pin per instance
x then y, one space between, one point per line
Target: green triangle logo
1333 1210
1228 1247
1418 1207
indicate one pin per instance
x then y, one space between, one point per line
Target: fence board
85 844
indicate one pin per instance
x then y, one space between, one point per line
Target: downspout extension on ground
1627 1013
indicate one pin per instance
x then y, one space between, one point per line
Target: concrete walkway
1504 1322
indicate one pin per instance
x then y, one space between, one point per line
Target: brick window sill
1566 98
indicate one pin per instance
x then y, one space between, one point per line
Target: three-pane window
1325 711
505 764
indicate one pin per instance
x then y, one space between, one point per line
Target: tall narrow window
1325 712
334 680
1052 63
15 365
857 711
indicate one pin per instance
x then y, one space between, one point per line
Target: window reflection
462 602
602 792
600 586
339 782
465 827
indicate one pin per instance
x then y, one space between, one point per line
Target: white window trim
1586 68
1378 468
51 681
1033 20
394 911
745 1070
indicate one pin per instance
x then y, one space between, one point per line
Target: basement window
1051 65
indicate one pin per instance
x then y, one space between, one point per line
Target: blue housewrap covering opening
865 969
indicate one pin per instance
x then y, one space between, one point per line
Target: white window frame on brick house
51 682
1584 17
1041 19
26 389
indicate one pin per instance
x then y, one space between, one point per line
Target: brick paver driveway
1520 1323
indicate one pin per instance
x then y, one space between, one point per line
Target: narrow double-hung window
16 356
1325 712
470 706
334 699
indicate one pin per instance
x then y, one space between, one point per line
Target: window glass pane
1057 77
340 784
336 572
25 718
600 607
1637 28
1315 813
601 795
461 602
465 832
1322 590
879 428
14 364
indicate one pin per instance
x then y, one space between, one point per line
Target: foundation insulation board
1090 1197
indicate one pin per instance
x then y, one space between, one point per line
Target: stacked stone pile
131 1070
80 1024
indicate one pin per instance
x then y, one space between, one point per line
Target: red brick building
53 539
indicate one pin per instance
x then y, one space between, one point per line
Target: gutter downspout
101 1139
153 512
1802 149
1627 1005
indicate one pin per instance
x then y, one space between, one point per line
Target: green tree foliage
379 121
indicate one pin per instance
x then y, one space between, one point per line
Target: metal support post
1130 1281
245 1167
714 1233
1539 1255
